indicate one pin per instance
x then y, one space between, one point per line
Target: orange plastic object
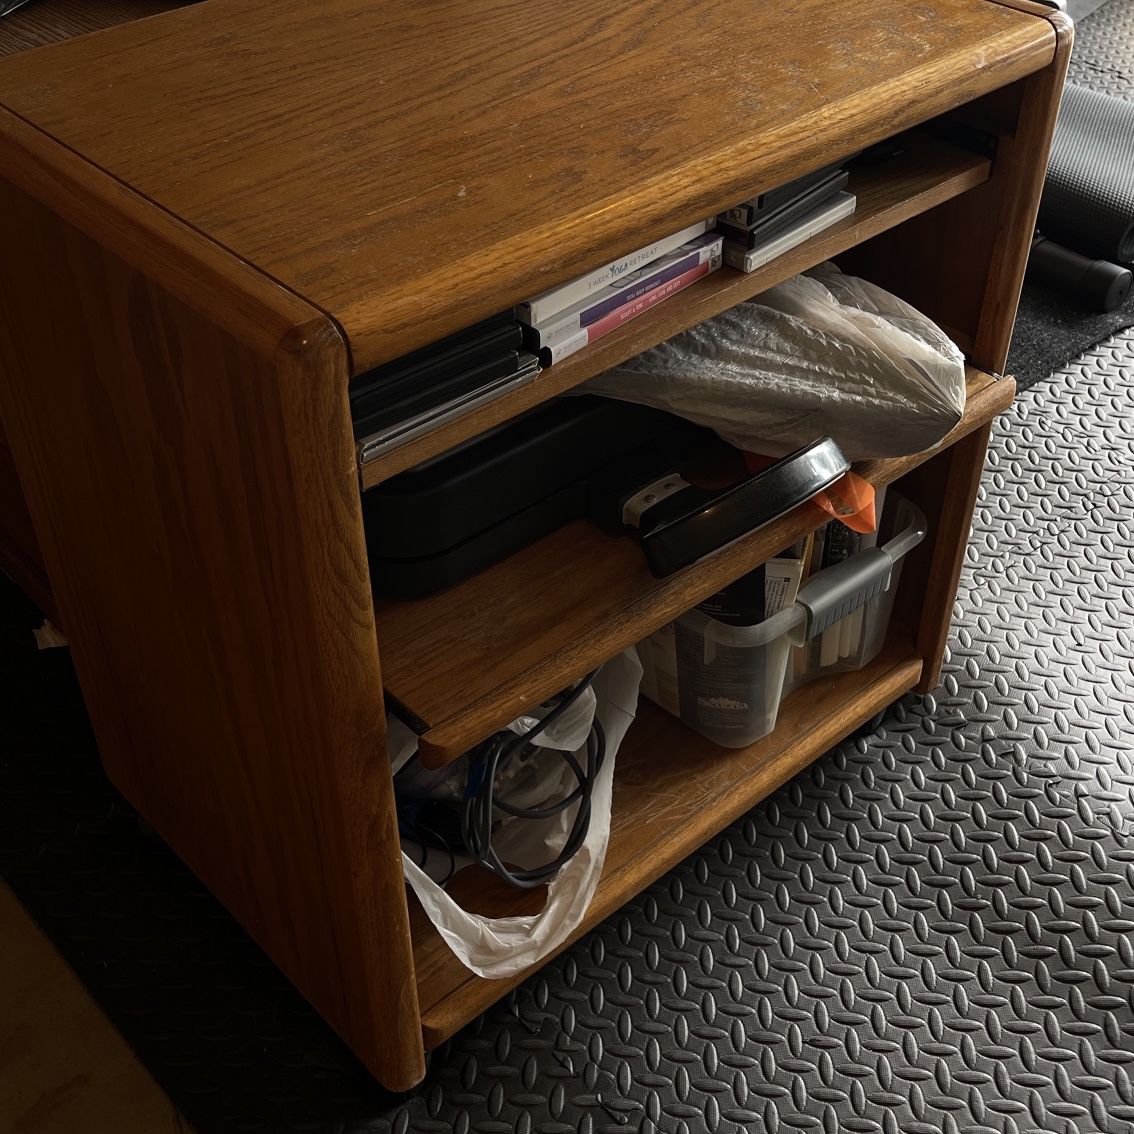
850 499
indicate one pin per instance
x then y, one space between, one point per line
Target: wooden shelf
930 172
673 790
562 606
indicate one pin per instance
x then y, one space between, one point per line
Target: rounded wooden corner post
181 428
354 820
999 218
1016 186
978 244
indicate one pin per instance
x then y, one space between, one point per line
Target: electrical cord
478 818
468 829
427 837
428 824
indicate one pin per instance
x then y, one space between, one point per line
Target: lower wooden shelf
673 790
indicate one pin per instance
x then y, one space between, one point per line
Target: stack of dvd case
564 320
768 225
416 393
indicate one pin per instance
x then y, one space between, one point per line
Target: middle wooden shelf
557 609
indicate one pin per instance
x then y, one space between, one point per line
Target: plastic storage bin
727 681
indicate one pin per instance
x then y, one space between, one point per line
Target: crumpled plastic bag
503 946
820 355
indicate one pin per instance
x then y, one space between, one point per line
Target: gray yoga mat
1088 199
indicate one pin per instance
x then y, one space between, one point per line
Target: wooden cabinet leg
946 488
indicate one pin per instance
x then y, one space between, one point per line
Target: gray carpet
1052 328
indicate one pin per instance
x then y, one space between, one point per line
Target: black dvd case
780 220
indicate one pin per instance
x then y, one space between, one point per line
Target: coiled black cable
478 810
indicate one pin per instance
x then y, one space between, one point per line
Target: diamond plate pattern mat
1103 56
932 929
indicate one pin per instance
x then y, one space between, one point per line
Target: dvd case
750 211
626 290
779 220
567 342
749 259
542 307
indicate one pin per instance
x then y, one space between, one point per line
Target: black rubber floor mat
932 929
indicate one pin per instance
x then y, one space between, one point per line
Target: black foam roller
1088 197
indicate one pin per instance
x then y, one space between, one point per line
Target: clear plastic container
860 625
727 681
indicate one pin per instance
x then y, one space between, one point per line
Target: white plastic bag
820 355
503 946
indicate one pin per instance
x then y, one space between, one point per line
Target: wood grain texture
1021 165
555 610
40 23
673 790
195 204
183 436
948 487
929 173
1035 8
412 167
49 21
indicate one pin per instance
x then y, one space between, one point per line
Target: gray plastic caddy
727 681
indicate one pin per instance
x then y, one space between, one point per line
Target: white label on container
781 584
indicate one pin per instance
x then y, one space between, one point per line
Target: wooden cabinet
214 217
